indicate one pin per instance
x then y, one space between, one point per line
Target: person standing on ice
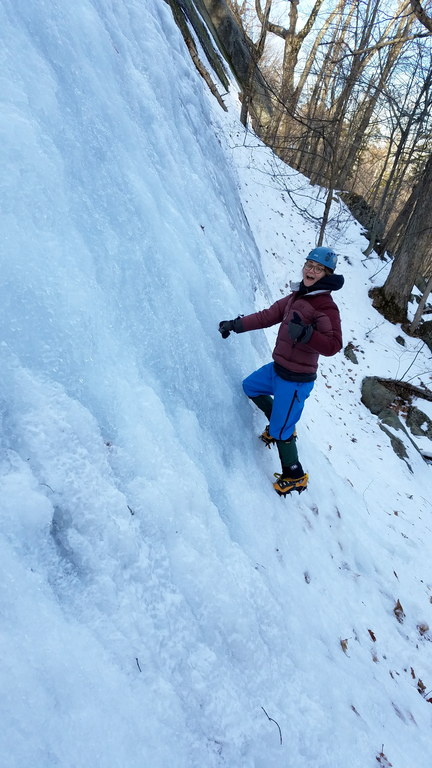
309 326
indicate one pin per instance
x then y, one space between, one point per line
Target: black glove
226 326
298 330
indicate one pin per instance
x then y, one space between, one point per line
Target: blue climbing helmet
325 256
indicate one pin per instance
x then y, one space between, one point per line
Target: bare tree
362 116
256 55
293 41
347 85
408 121
410 239
338 92
422 15
421 306
414 253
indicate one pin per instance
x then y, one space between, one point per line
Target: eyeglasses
318 269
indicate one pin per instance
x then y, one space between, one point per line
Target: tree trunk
313 52
414 252
396 232
421 14
293 42
365 111
256 54
420 309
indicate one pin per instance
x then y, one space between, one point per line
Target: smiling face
312 272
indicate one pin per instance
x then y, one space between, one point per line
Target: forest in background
342 91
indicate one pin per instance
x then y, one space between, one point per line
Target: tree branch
274 721
421 14
311 20
384 44
276 29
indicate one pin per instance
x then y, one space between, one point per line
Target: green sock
264 403
287 451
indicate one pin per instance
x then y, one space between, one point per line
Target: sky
160 605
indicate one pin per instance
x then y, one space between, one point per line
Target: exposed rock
375 395
363 212
350 353
389 418
391 311
387 398
419 423
406 391
425 333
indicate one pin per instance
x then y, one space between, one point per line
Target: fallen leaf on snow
344 645
399 612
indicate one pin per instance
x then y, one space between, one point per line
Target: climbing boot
266 437
284 485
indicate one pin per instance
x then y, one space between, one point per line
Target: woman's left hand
298 330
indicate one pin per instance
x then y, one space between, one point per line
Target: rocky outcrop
425 333
364 213
350 354
391 402
419 423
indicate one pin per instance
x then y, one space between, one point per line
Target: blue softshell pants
288 398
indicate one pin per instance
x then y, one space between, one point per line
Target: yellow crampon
284 485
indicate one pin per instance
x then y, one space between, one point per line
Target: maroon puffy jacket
320 310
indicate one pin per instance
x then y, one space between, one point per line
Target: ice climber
309 326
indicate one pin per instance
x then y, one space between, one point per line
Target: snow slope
160 605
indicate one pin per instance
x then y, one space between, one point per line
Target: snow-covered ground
160 605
